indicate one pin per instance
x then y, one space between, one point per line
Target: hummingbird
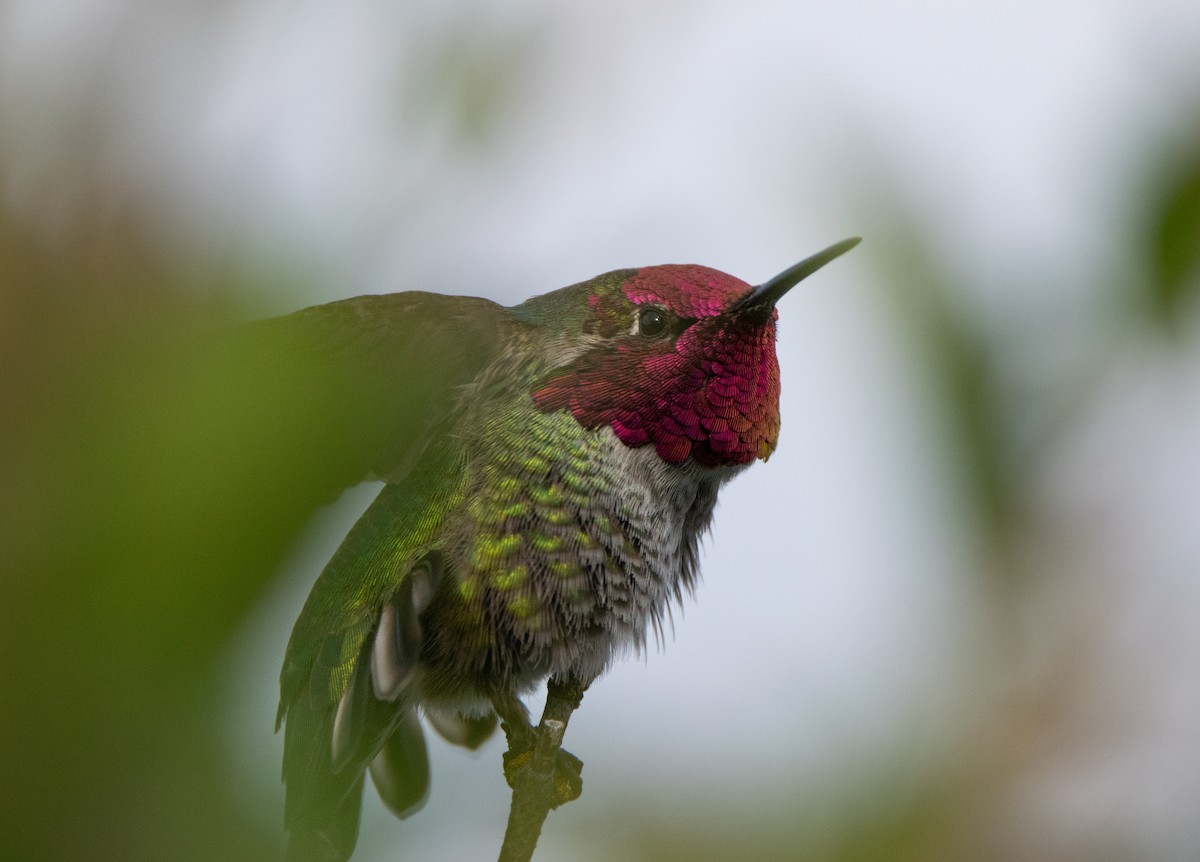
549 470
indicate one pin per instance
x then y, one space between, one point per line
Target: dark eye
652 322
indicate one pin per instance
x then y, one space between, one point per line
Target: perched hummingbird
546 488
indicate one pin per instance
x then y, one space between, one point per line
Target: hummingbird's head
680 357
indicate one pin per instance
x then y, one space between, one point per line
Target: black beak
769 292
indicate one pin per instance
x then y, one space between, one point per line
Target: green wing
372 378
337 722
388 371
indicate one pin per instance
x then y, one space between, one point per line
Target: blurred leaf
473 78
1175 238
961 365
154 476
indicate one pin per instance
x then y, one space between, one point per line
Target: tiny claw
568 779
514 721
516 762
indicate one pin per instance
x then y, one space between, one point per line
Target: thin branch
541 774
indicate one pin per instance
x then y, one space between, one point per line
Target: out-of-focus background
957 616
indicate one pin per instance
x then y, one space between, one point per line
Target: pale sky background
835 622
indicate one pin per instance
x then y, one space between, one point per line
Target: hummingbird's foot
535 758
514 719
525 764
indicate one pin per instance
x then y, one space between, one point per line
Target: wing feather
385 375
370 380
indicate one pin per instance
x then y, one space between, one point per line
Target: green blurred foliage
959 357
157 464
1172 244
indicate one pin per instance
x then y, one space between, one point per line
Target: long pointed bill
769 292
